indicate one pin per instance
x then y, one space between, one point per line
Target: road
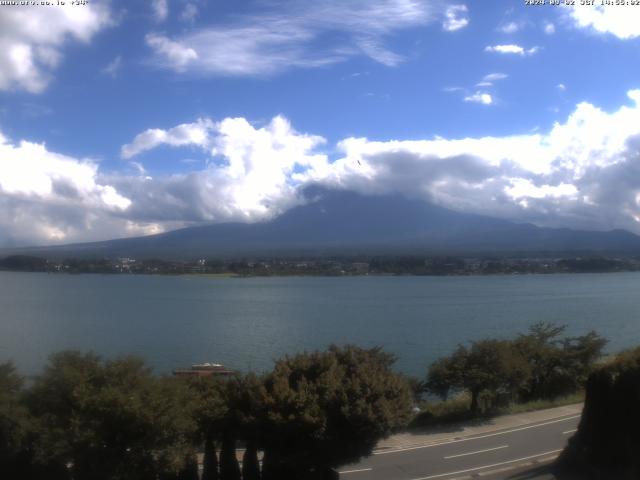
469 456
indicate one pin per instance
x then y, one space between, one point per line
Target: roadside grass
572 399
454 410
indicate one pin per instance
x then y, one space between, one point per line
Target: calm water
247 323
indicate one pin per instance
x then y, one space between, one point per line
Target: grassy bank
458 409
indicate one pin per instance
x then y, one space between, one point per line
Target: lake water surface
246 323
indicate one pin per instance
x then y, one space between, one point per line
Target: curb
531 463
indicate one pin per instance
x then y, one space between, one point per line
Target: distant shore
329 267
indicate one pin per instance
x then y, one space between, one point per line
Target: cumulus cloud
511 49
569 176
583 172
479 97
33 37
171 54
622 21
549 28
302 35
455 18
47 196
196 133
253 175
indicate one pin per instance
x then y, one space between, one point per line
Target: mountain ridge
336 222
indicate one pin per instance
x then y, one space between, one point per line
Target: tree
15 426
246 396
447 373
329 408
558 365
210 460
607 442
210 409
491 366
110 420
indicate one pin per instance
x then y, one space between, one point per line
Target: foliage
487 366
14 424
537 365
110 420
608 439
328 408
559 366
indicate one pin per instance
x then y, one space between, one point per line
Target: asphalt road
467 456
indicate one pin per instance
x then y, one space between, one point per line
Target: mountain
341 222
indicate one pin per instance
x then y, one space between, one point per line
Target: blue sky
128 118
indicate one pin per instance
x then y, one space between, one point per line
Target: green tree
15 427
110 420
607 442
488 366
211 408
328 408
559 365
246 396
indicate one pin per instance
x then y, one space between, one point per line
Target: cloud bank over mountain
582 173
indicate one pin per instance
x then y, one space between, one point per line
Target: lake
246 323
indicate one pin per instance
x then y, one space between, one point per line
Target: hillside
340 222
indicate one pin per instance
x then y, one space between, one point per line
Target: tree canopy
110 420
538 364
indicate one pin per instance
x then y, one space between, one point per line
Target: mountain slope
335 222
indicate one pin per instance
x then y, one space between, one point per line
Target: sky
126 118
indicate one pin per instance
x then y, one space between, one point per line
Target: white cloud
509 28
113 67
196 134
479 97
374 50
252 175
622 21
172 54
549 28
32 38
302 35
525 188
582 173
511 49
568 176
49 197
494 77
455 18
160 9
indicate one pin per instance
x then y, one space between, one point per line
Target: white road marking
479 451
355 471
570 431
440 475
385 452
